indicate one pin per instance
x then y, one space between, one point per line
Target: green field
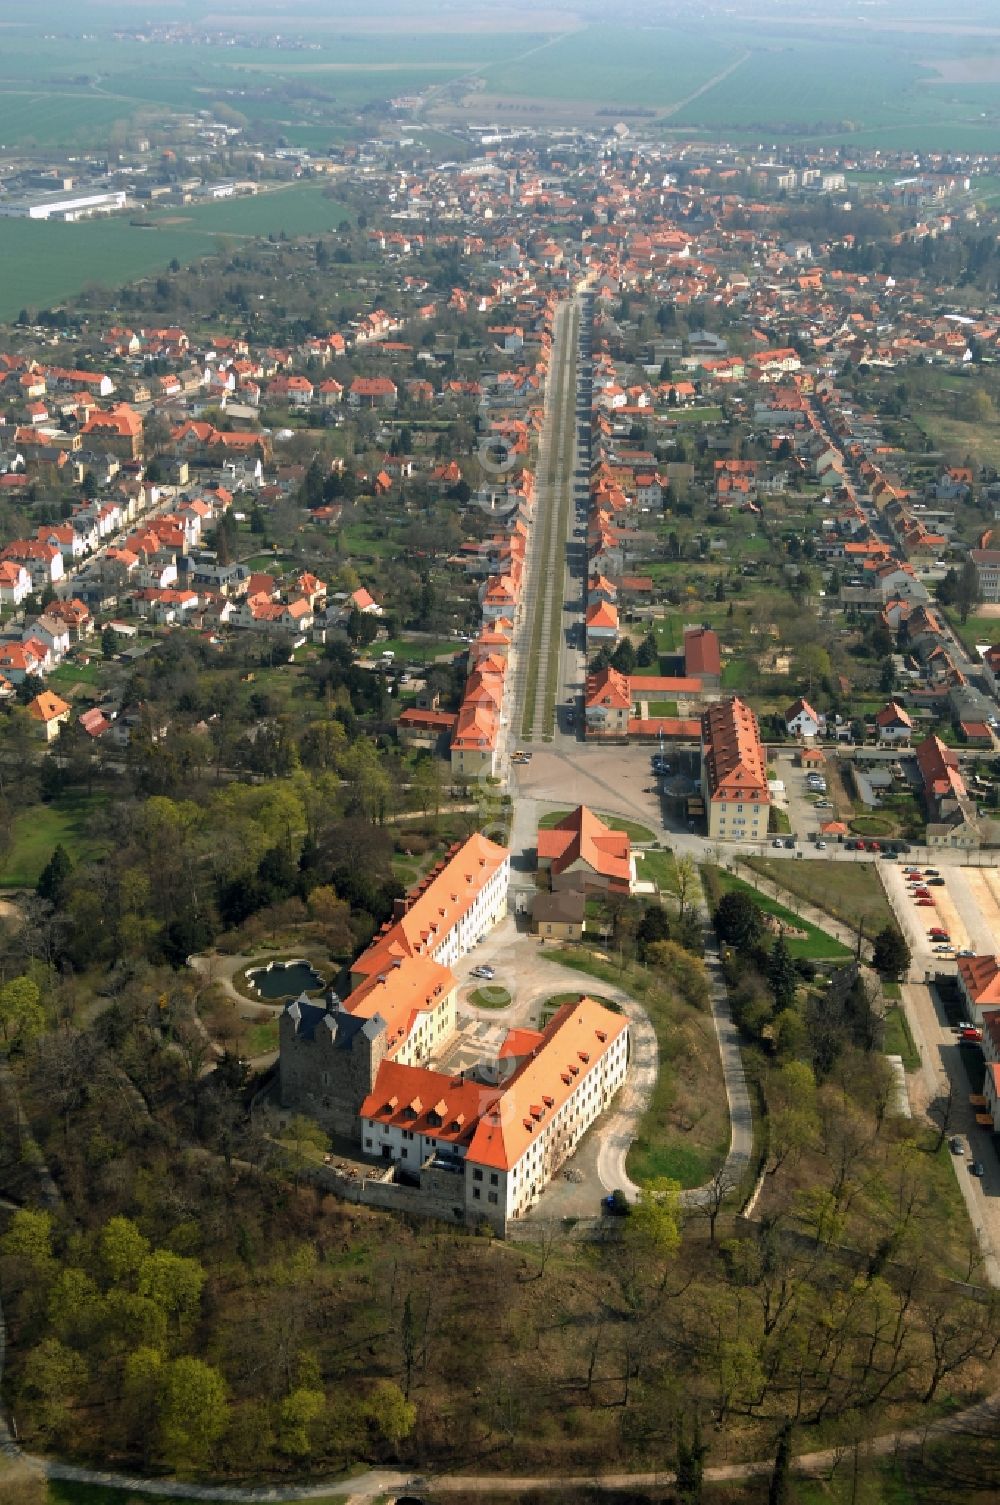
39 830
618 65
851 892
46 263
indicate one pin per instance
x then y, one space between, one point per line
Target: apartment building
734 772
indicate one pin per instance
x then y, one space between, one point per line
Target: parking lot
966 904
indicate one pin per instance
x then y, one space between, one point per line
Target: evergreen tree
55 876
891 954
781 974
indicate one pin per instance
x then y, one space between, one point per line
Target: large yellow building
734 772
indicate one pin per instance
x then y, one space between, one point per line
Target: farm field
652 68
61 90
46 263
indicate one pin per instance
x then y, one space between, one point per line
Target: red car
921 893
873 846
913 872
973 1036
862 847
926 903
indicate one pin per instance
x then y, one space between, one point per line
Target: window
477 1175
491 1197
494 1179
476 1193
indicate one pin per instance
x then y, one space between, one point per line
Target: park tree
22 1017
123 1250
647 654
55 876
174 1283
53 1376
683 973
655 1221
192 1412
300 1418
29 1239
624 658
968 592
391 1416
891 954
690 1467
782 977
738 920
654 926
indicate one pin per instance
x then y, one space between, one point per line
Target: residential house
802 721
894 726
50 714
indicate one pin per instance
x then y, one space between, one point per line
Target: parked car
874 846
931 872
616 1204
789 841
971 1036
776 842
977 1168
925 903
956 1144
821 846
890 856
862 846
936 882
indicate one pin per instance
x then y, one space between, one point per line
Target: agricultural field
64 90
652 68
46 263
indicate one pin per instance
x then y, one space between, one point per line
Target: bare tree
714 1194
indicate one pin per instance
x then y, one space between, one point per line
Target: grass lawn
737 674
261 1038
850 892
419 650
711 414
976 629
632 828
684 1132
662 707
898 1041
490 996
872 825
815 944
40 829
659 868
69 674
